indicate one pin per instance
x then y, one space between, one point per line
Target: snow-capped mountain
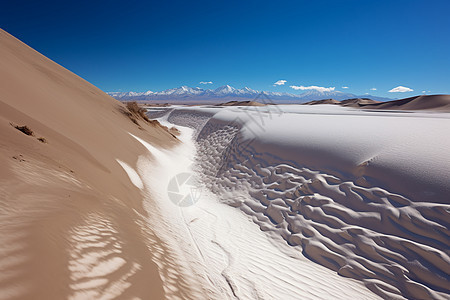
318 95
226 92
181 91
123 95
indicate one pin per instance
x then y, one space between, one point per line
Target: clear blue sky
155 45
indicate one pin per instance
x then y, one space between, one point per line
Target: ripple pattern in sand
97 269
397 247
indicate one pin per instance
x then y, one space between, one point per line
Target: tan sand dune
85 211
325 101
357 102
241 103
69 214
425 102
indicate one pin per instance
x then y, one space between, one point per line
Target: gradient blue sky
155 45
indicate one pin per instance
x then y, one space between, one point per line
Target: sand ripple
397 247
96 267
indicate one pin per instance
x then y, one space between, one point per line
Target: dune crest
422 102
73 223
359 199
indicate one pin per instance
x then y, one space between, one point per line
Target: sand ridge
85 213
422 102
223 251
363 227
73 224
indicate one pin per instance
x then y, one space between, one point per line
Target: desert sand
215 202
71 220
325 101
362 193
241 103
423 102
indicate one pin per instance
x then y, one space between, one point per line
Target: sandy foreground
72 224
288 202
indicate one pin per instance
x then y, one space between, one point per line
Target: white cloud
345 87
280 82
205 82
373 89
312 87
401 89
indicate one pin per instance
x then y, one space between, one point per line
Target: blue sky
155 45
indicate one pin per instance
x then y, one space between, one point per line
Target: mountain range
226 92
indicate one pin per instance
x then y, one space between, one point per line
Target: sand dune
325 101
360 199
232 257
310 202
241 103
73 224
425 102
357 102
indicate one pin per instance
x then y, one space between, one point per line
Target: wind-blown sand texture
72 224
223 252
365 194
241 103
423 102
292 202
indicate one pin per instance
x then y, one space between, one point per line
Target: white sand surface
365 194
283 202
223 252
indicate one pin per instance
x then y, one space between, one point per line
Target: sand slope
363 193
222 250
70 217
241 103
425 102
325 101
357 102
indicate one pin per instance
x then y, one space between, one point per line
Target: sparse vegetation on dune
135 112
25 129
174 131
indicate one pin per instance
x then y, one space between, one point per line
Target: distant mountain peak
228 92
225 89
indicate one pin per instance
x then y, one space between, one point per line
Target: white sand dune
224 254
364 194
312 202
